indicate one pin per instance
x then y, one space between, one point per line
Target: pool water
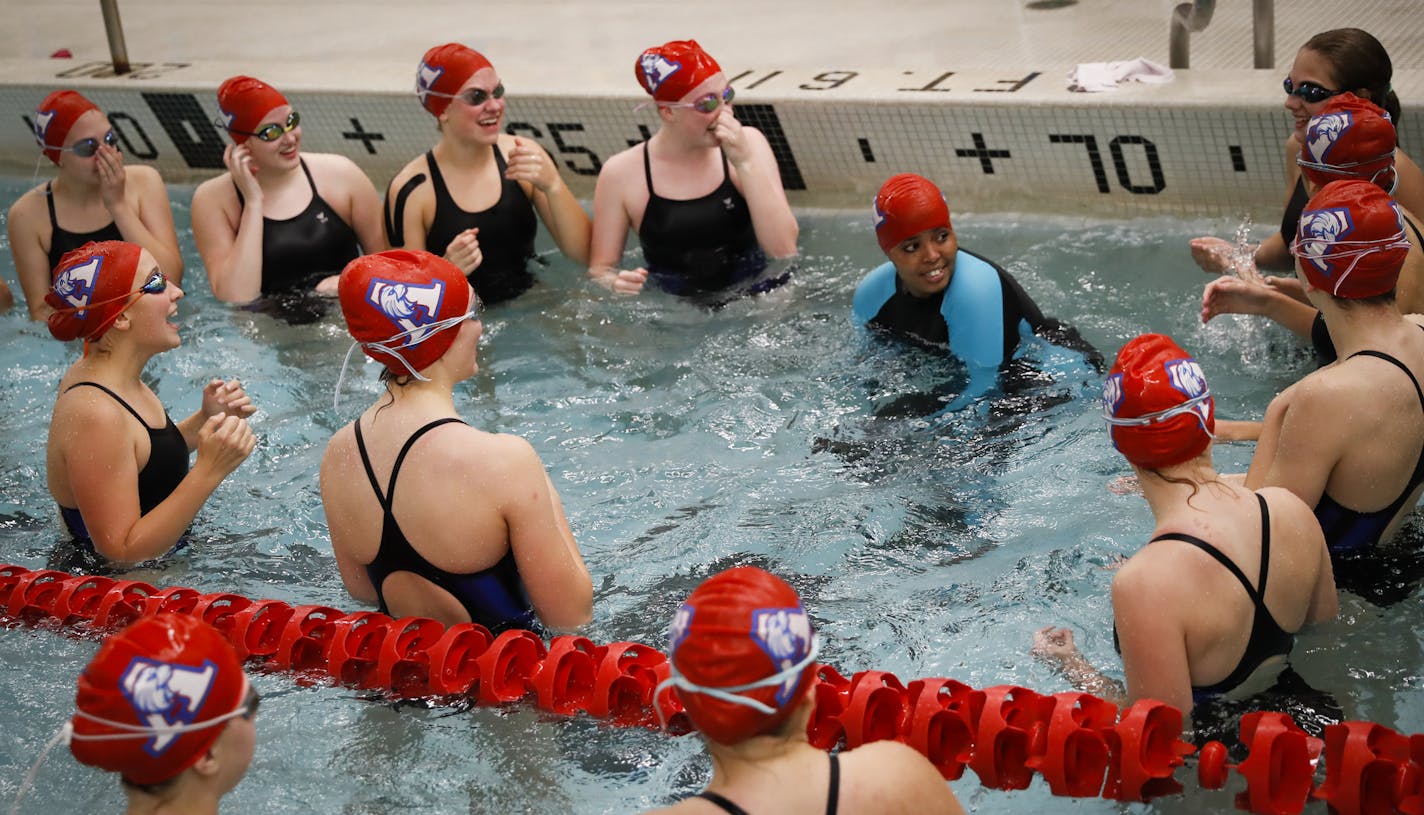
684 441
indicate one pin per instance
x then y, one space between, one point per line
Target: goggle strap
135 731
384 347
1159 416
732 693
60 735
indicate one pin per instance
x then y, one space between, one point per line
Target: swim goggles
391 345
270 131
474 97
733 693
703 104
157 283
1159 416
1309 92
1325 250
86 148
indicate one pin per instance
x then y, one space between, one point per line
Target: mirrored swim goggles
733 693
391 345
1309 92
1331 251
474 97
1159 416
270 131
703 104
85 148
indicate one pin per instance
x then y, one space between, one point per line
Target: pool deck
969 93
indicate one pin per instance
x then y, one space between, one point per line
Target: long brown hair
1359 62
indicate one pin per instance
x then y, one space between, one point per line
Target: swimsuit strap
1215 553
648 170
1415 227
49 200
722 803
1265 549
833 795
436 178
116 397
311 182
387 501
395 220
1396 363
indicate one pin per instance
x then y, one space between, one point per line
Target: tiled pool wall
1207 144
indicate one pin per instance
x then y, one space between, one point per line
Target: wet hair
1359 62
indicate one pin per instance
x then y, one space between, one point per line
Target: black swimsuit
1350 531
1267 638
506 237
833 794
493 597
166 467
62 240
298 252
701 244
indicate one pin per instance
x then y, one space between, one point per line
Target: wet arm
775 224
548 560
151 225
233 259
31 259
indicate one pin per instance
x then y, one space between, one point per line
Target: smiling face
925 261
285 152
149 315
1309 66
482 122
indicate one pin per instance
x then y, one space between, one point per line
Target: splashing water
1243 257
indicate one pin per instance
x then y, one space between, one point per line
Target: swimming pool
684 441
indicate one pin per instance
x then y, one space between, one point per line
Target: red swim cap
55 116
741 627
392 302
168 671
445 69
245 102
1157 404
1351 241
1349 138
907 205
92 286
670 70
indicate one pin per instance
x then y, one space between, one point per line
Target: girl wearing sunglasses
93 197
1329 64
117 465
704 193
279 222
473 198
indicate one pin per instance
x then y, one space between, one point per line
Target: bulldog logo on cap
165 695
1323 227
656 69
1325 130
76 284
425 79
408 306
785 635
42 121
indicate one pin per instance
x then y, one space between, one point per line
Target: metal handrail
1189 18
115 31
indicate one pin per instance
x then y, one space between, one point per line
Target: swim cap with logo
245 103
669 71
1349 138
1157 404
155 697
445 69
742 654
54 118
92 286
1351 240
398 303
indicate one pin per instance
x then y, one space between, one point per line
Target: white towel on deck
1092 77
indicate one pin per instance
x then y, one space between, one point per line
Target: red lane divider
1079 743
